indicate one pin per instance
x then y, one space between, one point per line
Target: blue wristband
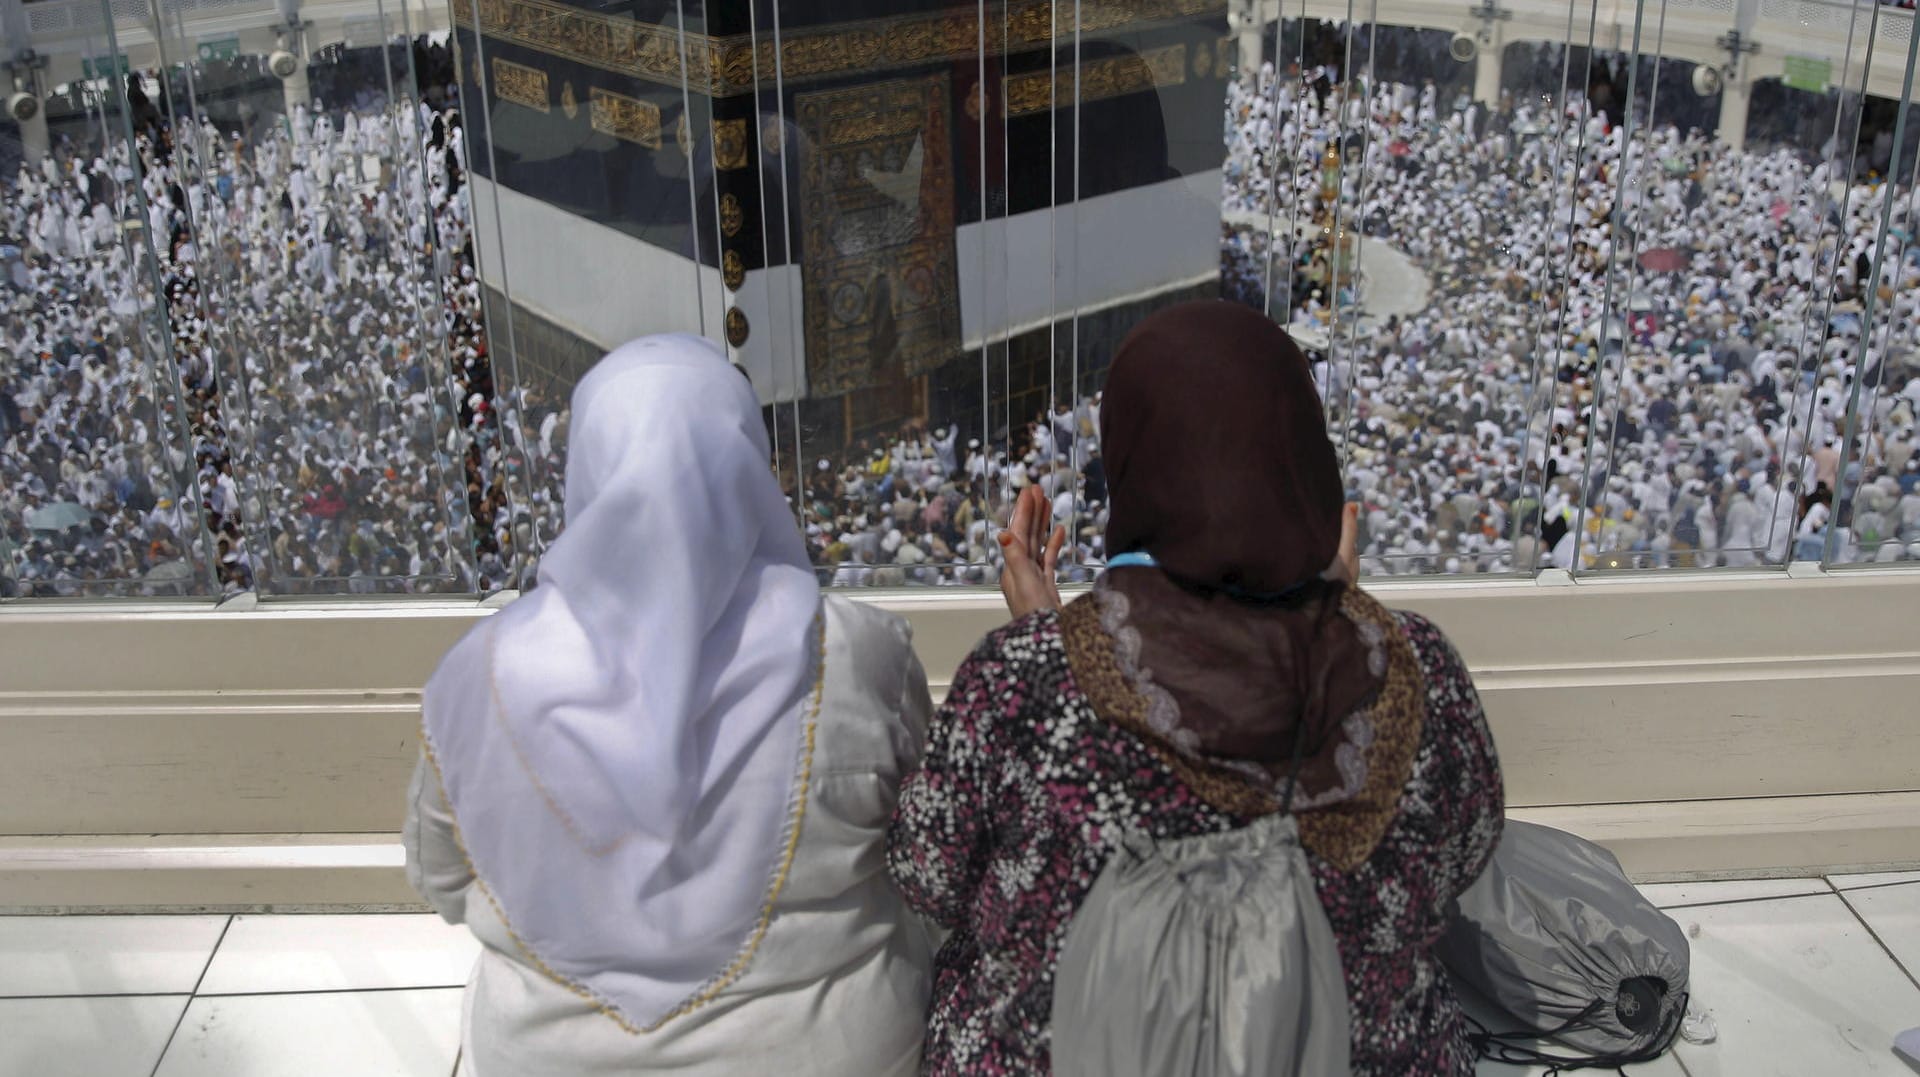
1143 559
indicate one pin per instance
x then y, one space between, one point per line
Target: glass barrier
295 295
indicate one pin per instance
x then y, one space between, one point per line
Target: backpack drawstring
1517 1047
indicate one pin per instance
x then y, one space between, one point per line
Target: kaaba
863 143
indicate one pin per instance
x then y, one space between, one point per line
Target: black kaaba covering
851 136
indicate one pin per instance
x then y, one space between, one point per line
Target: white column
293 38
1253 29
1735 96
16 39
1486 70
296 89
33 135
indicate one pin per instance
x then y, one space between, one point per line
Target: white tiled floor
314 953
1805 978
104 955
1679 895
1797 986
363 1033
71 1037
1894 915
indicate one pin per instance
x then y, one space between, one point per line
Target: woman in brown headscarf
1167 701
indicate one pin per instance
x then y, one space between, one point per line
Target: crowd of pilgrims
264 345
1655 343
1628 359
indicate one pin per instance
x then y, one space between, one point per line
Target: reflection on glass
1591 287
312 316
98 494
323 307
1409 233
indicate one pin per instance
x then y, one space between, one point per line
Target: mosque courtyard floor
1803 978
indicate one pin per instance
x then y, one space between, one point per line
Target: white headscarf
620 747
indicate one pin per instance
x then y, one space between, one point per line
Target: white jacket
840 982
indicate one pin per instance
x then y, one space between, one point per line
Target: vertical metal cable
693 163
1545 358
1632 265
166 366
1872 290
1606 304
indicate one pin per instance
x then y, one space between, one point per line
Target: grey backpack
1207 956
1580 969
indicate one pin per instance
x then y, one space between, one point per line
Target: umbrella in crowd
60 516
1664 260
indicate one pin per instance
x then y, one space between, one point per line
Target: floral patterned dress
1025 791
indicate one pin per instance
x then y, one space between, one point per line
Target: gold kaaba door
882 303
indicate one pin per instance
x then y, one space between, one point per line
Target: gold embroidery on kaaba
1224 55
520 84
1113 76
1202 60
732 270
569 104
737 327
732 219
1028 94
912 40
723 66
772 135
603 40
625 117
877 213
729 144
683 135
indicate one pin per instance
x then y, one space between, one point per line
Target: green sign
99 67
1808 73
220 48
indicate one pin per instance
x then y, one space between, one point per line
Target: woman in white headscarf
656 786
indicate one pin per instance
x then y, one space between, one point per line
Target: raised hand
1028 580
1346 564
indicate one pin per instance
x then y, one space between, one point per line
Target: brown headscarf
1216 451
1219 466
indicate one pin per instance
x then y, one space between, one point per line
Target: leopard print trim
1342 824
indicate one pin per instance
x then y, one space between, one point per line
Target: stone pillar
1487 69
1735 96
